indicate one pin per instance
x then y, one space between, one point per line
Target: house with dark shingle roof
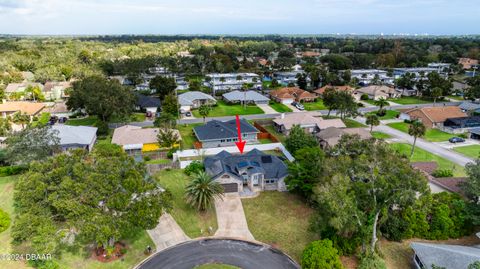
147 103
444 256
255 170
222 134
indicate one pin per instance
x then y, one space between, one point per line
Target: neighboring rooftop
427 167
134 135
244 96
70 135
292 93
29 108
187 99
307 118
338 88
469 106
446 256
215 129
440 113
147 101
332 135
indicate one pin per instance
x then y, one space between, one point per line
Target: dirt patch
349 262
100 254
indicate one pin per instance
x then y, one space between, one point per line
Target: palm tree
204 110
372 120
416 129
22 119
382 102
202 190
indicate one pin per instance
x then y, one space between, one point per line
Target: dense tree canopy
86 197
101 97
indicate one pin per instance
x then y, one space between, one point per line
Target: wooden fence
264 133
154 168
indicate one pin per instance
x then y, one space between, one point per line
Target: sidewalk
167 233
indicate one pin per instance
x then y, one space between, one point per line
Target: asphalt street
243 254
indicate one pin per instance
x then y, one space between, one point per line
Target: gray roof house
446 256
222 134
254 170
147 103
469 107
73 137
248 96
194 99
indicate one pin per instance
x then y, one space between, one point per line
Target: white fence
200 153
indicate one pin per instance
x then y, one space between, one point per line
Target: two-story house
232 81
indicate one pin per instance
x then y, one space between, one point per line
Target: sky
92 17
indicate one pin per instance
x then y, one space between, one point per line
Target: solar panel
242 164
266 159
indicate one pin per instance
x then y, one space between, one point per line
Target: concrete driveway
267 109
294 109
167 233
448 145
231 218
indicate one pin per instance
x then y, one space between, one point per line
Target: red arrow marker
240 144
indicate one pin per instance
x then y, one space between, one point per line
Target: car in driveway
188 114
456 140
298 105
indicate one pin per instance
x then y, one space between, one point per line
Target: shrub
381 112
372 261
442 173
44 264
11 170
102 128
146 158
321 254
193 168
4 220
171 151
394 229
464 135
364 97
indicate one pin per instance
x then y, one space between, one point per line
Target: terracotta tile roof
291 92
440 113
310 54
338 88
29 108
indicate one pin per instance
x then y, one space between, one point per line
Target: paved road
243 254
231 218
428 146
274 115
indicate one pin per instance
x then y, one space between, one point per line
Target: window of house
223 140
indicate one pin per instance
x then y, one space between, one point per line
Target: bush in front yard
321 254
4 220
364 97
193 168
372 261
442 173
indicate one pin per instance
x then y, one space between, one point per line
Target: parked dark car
149 114
456 140
188 114
298 105
53 119
62 119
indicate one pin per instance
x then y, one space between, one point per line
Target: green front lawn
188 137
158 161
432 135
456 97
71 258
472 151
421 155
380 135
280 219
224 109
351 123
389 115
134 117
280 108
410 100
317 105
193 223
87 121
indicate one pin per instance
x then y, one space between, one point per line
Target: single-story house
376 92
136 140
8 109
290 94
55 90
459 86
331 136
58 109
311 122
435 116
74 137
436 185
247 96
470 107
320 91
254 170
407 92
224 133
13 88
443 256
194 99
147 103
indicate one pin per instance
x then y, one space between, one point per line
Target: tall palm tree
372 120
202 190
416 129
381 103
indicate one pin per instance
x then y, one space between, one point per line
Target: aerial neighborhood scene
225 135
